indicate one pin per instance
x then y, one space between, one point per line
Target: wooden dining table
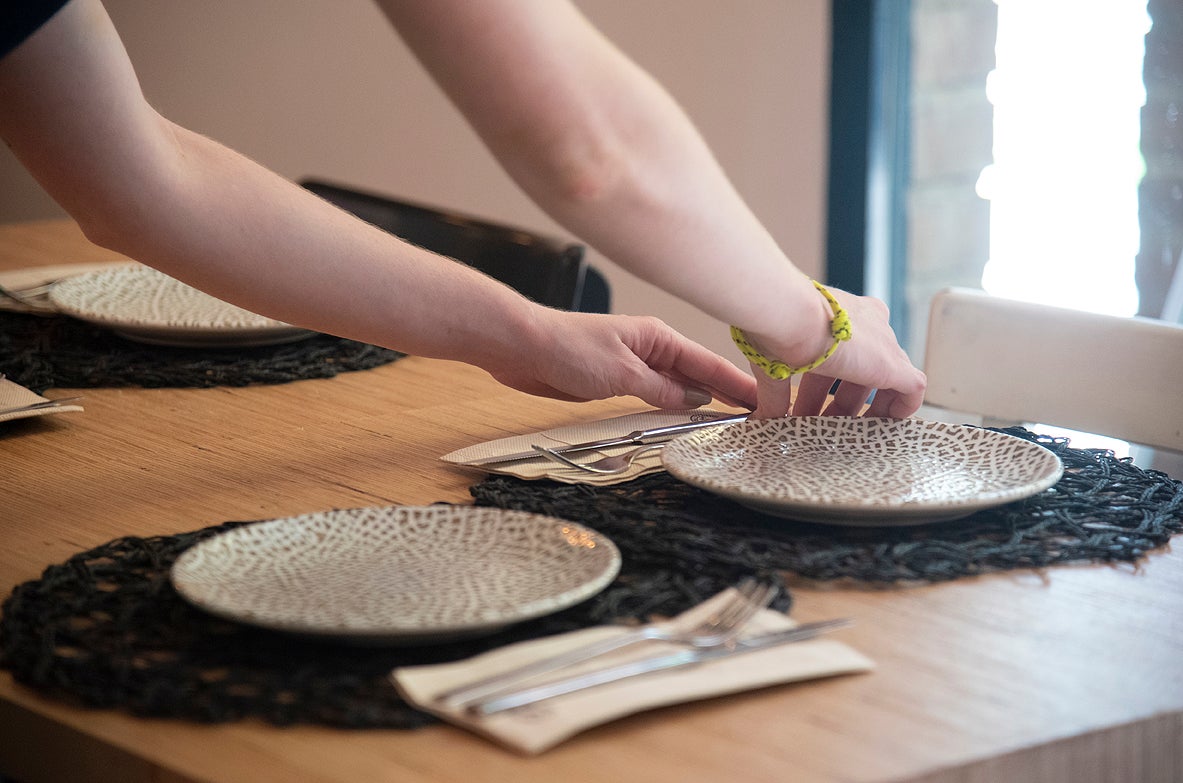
1066 674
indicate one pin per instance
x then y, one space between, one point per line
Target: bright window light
1063 189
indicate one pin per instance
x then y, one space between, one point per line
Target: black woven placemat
106 629
46 352
1104 509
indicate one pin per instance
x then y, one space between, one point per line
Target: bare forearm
72 111
234 229
607 152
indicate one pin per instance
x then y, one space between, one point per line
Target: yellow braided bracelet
778 370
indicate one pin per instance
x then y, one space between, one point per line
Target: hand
872 361
581 356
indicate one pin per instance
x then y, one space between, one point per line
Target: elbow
111 229
586 180
570 176
101 230
133 209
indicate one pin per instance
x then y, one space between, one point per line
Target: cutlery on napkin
721 627
513 698
535 728
17 402
505 455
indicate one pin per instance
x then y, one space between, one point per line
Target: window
1031 147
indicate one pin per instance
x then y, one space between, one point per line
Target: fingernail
696 397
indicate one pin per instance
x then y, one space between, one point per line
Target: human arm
608 153
72 111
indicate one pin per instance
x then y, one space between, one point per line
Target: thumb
661 391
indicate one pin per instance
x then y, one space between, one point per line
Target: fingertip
892 405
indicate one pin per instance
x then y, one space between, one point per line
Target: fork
723 625
532 694
605 466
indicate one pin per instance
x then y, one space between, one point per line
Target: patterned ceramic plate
397 574
862 471
148 306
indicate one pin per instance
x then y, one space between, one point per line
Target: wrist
813 344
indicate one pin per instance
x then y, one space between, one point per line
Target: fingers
848 400
811 394
896 404
669 390
675 392
882 404
674 370
605 356
707 370
774 396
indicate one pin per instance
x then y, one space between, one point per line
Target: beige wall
324 87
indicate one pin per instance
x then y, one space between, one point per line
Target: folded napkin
535 728
13 394
541 467
17 279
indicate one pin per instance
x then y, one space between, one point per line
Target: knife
654 435
509 699
34 406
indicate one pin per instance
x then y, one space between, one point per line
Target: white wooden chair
999 362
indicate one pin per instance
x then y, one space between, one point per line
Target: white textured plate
862 471
397 574
148 306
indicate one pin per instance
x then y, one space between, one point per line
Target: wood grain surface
1073 674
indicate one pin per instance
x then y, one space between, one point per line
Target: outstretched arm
607 152
72 110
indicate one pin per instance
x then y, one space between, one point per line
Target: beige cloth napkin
16 279
538 727
541 467
13 394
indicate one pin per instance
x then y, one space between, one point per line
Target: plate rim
866 514
407 634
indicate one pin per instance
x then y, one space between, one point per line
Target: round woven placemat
48 352
1104 509
106 629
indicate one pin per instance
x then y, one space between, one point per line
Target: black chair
548 270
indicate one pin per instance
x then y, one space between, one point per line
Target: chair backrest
1028 363
548 270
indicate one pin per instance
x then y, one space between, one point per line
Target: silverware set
34 406
605 466
638 438
35 297
716 636
661 663
648 440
